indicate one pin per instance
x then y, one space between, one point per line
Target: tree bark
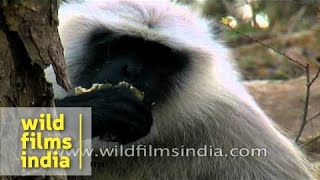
29 42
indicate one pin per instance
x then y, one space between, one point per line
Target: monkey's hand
117 114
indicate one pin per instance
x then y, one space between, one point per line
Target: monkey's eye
103 45
107 50
165 60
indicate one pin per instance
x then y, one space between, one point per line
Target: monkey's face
117 113
150 48
149 66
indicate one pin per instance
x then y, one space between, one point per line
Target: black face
117 114
149 66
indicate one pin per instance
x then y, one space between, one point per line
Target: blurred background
267 36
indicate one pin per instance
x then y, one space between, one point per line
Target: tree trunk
29 42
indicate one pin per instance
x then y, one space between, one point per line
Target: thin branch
311 141
313 117
267 46
306 103
315 77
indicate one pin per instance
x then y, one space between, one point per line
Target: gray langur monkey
193 96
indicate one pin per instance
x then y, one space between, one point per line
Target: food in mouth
97 86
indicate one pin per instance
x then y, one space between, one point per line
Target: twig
266 45
311 141
316 76
313 117
306 103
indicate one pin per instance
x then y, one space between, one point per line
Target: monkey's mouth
121 127
97 86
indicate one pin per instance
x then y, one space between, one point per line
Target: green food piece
139 94
96 86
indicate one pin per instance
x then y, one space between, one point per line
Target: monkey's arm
116 112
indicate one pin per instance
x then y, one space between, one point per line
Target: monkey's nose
132 72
